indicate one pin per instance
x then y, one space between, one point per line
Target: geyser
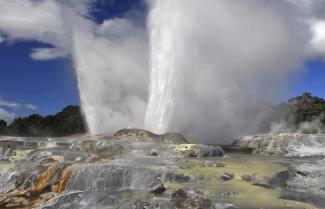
163 21
199 67
212 62
112 75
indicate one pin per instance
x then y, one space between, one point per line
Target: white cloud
17 106
318 40
312 12
31 20
47 53
6 116
2 39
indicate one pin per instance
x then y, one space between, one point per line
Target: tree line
67 122
304 113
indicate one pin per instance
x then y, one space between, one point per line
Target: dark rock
190 200
158 189
280 179
247 177
178 178
227 176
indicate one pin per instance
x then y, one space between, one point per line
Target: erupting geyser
212 62
199 67
163 66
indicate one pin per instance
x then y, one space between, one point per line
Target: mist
228 56
111 67
208 69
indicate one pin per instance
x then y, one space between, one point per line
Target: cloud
318 41
2 39
7 116
312 12
35 20
17 106
8 108
47 53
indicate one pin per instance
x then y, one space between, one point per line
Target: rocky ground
136 169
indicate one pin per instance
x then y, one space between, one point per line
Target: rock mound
147 136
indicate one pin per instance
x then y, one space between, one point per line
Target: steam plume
200 67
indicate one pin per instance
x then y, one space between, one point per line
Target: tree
3 127
67 122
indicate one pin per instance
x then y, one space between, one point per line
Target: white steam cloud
200 67
111 64
227 57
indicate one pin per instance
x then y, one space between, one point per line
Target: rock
207 164
288 144
173 138
104 149
83 173
198 150
227 176
97 177
302 173
147 136
141 205
153 152
158 189
177 178
280 179
190 200
219 165
247 177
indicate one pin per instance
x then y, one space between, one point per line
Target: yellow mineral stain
42 180
63 181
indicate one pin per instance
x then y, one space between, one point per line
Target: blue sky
311 80
51 85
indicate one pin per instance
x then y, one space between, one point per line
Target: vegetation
304 113
67 122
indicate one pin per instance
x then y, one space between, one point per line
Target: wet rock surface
287 144
136 169
142 135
